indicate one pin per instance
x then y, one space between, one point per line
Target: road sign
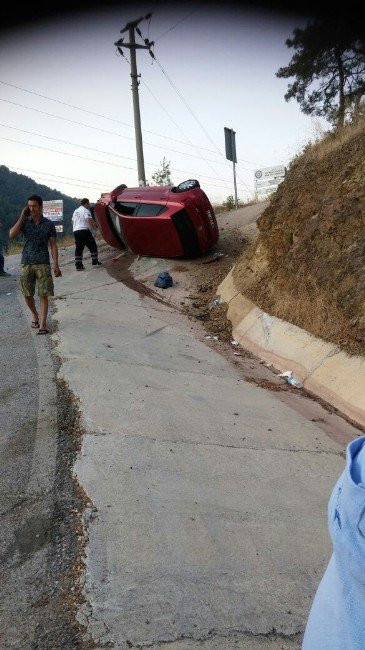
230 141
270 172
268 179
53 210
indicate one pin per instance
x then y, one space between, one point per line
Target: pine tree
329 69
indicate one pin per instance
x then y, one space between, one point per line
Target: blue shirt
37 237
337 616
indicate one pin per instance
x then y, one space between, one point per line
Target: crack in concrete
272 634
217 444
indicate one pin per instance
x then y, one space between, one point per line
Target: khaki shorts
32 273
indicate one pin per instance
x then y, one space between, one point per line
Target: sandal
42 332
35 324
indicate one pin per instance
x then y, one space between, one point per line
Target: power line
176 24
118 122
188 107
186 104
96 128
81 146
57 176
63 153
190 110
181 131
84 110
74 144
177 126
105 117
101 162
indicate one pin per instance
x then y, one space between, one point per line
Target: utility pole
131 27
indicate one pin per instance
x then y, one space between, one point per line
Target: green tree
328 67
163 175
229 203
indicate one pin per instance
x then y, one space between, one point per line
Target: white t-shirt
79 218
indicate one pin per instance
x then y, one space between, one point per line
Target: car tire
185 186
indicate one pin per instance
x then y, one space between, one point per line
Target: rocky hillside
308 263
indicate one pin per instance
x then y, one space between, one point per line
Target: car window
124 207
150 209
115 220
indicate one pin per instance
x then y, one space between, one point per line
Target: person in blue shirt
39 235
337 617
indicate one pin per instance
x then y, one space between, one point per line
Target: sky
66 110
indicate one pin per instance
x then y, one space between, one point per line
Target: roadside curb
322 368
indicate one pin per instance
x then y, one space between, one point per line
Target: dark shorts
40 273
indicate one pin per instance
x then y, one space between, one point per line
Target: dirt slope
308 263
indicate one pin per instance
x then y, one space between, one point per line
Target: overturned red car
162 221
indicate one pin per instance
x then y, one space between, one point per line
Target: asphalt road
35 493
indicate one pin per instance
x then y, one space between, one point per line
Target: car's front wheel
185 186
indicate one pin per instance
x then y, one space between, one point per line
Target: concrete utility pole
132 46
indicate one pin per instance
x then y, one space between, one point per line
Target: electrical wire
57 176
84 110
42 179
64 153
96 128
176 24
179 128
102 162
192 112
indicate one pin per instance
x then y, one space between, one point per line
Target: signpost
267 180
230 142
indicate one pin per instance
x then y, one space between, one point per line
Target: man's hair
37 198
84 201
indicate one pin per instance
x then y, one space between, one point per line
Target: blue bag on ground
163 280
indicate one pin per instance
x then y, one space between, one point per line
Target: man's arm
54 253
90 224
15 230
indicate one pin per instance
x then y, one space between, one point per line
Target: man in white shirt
83 230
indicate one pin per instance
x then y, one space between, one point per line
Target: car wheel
185 186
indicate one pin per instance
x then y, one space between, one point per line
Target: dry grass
328 143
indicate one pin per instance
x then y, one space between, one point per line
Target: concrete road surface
209 493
